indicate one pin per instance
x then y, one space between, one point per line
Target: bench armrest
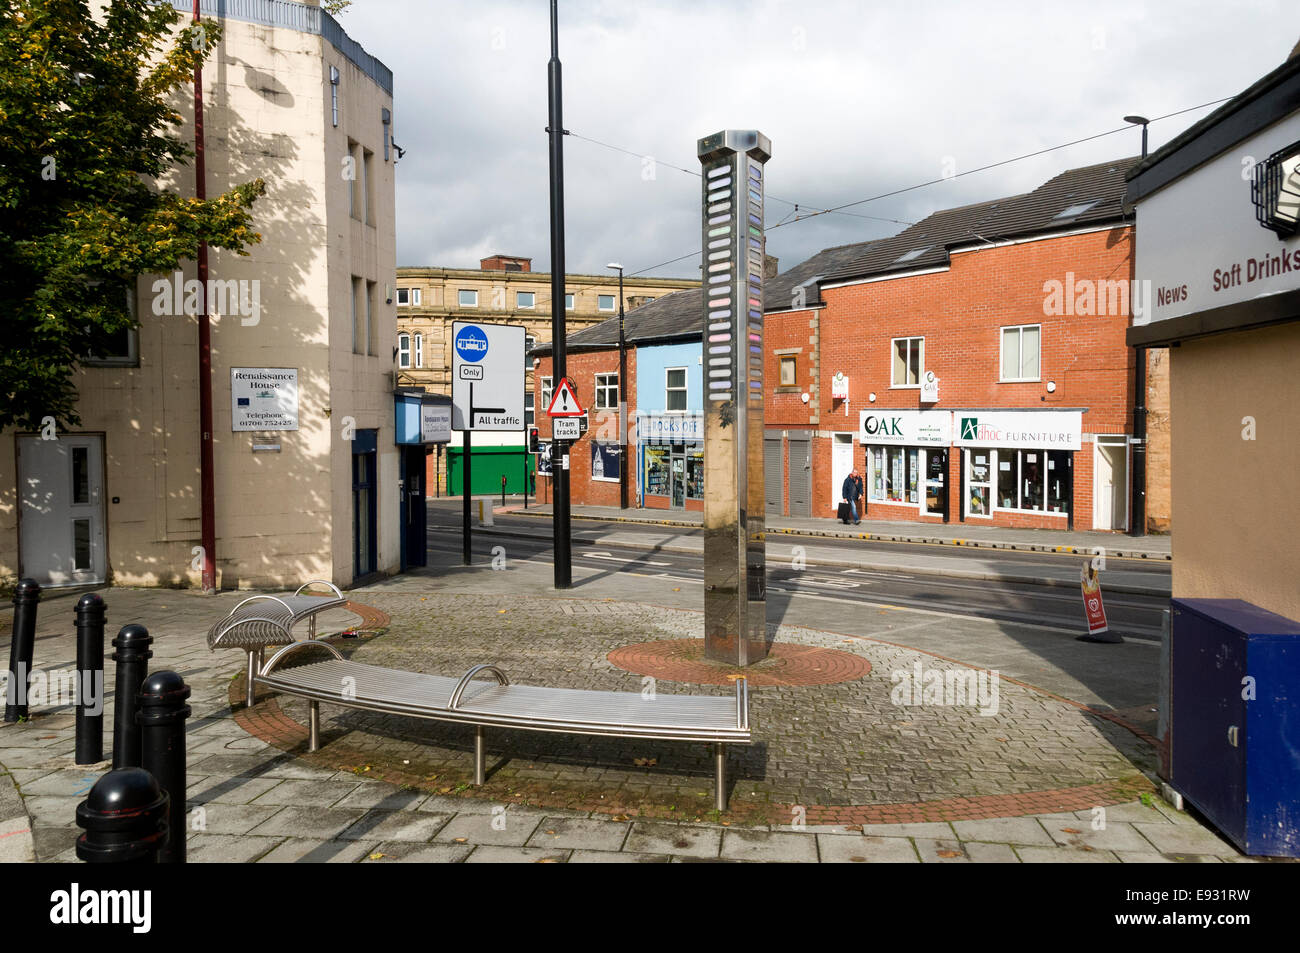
319 582
742 703
274 660
469 676
284 604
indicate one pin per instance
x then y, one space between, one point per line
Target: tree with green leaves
88 128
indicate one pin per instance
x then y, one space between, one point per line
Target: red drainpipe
207 491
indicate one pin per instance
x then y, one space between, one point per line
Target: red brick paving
682 660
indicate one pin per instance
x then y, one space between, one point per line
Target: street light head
1137 120
615 265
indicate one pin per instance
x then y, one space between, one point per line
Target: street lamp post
1138 479
622 393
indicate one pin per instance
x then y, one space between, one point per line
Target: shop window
788 371
695 475
675 389
909 361
656 471
1034 481
606 391
403 351
894 475
1020 353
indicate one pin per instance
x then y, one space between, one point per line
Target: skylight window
1074 210
913 254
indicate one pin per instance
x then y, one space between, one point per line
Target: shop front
1017 467
670 449
906 471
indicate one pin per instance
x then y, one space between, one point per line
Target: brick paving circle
682 660
845 752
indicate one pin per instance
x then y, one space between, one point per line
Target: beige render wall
1238 500
1158 462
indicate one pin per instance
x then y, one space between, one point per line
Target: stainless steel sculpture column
735 585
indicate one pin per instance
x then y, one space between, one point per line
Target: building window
419 350
568 302
675 389
334 94
530 342
358 316
1020 353
415 297
1034 481
607 392
371 290
788 371
352 172
525 299
530 409
605 302
909 361
368 185
116 349
547 387
403 296
468 298
403 351
606 464
893 476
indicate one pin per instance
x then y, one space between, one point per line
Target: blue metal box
1235 720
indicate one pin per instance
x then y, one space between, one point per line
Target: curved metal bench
264 619
499 703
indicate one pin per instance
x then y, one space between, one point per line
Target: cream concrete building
302 346
502 290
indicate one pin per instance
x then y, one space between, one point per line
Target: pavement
842 772
934 550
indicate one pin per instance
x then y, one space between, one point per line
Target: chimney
769 266
505 263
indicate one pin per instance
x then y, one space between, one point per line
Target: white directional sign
566 428
487 376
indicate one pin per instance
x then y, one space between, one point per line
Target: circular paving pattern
683 660
848 749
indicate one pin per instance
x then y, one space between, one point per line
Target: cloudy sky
858 98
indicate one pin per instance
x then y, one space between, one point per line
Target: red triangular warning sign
564 402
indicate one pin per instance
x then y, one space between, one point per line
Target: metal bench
264 620
498 703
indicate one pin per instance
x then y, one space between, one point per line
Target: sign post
735 564
487 393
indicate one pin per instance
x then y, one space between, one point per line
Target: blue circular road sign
471 343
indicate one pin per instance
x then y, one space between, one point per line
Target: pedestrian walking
851 492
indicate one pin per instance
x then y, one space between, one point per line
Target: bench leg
252 670
313 727
720 781
480 761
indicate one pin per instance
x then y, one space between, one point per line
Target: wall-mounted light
804 397
334 93
1051 387
386 116
872 397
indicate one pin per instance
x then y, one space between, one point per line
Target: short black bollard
503 490
90 679
132 658
21 648
162 717
125 819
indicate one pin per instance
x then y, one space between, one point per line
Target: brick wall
960 313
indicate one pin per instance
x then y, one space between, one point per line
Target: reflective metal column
735 586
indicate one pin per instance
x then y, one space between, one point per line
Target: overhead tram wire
922 185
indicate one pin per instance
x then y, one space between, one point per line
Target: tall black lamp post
1138 479
622 393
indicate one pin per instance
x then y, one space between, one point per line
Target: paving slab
1184 839
769 846
680 839
933 829
516 855
1077 833
16 845
383 796
398 852
218 818
307 793
1004 830
318 822
229 790
499 830
616 857
1064 855
577 833
396 826
935 851
982 853
215 848
1128 813
303 851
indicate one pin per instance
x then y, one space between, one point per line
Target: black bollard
90 679
125 819
162 715
132 658
21 648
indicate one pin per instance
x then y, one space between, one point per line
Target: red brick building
984 374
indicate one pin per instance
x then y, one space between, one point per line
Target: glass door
935 468
679 479
979 482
